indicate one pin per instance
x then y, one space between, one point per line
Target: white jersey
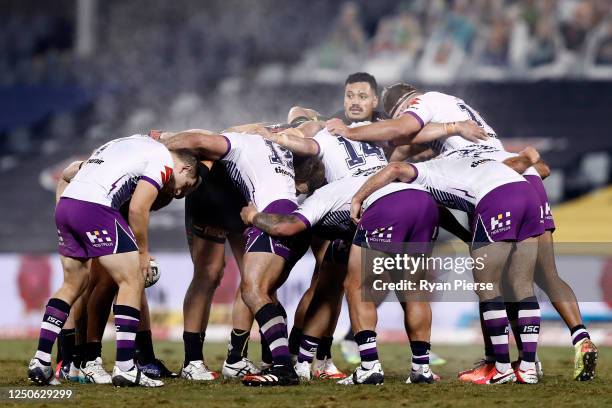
328 209
461 183
260 168
478 151
436 107
348 158
110 175
390 189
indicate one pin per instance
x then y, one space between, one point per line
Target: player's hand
145 264
337 127
531 153
468 129
356 210
248 213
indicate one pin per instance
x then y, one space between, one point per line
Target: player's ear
375 101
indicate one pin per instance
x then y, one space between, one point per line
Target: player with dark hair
410 110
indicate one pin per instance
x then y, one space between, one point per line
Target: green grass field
556 390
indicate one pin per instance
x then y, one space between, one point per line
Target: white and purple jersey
483 151
436 107
348 158
110 175
328 209
260 168
461 183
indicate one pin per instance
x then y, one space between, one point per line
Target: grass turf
556 390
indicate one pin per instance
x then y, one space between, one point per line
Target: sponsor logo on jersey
501 222
476 163
99 238
95 161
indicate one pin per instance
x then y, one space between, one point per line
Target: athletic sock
366 340
274 329
65 345
127 319
496 325
350 335
239 340
512 310
295 338
308 348
528 324
193 343
266 354
144 347
579 333
78 356
56 314
324 349
93 350
420 353
488 346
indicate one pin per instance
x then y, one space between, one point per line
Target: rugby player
90 227
263 172
411 109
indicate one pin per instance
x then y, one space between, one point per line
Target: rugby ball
155 275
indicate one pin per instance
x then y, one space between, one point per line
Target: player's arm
528 157
299 114
468 129
450 223
297 140
276 225
404 172
412 152
140 206
202 144
66 177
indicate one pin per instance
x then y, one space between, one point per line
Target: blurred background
77 73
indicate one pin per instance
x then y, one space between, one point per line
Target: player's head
185 174
397 97
309 174
360 96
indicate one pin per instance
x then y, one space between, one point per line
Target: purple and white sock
496 325
579 333
308 348
528 326
273 327
56 314
420 353
127 319
366 341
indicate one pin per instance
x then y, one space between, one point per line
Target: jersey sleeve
315 207
159 166
421 108
322 138
235 143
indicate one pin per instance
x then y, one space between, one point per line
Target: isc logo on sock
531 329
54 320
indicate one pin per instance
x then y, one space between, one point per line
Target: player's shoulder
437 96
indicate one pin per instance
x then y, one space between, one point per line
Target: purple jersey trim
150 180
302 218
318 147
229 147
417 117
415 170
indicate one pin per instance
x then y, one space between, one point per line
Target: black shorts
213 210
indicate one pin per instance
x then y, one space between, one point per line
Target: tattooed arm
276 225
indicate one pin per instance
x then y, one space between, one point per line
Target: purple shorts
507 213
392 221
89 230
547 217
291 249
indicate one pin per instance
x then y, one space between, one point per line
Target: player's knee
208 277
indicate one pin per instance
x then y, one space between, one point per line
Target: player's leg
102 290
146 360
76 274
564 300
208 260
124 269
237 364
318 246
263 274
519 282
